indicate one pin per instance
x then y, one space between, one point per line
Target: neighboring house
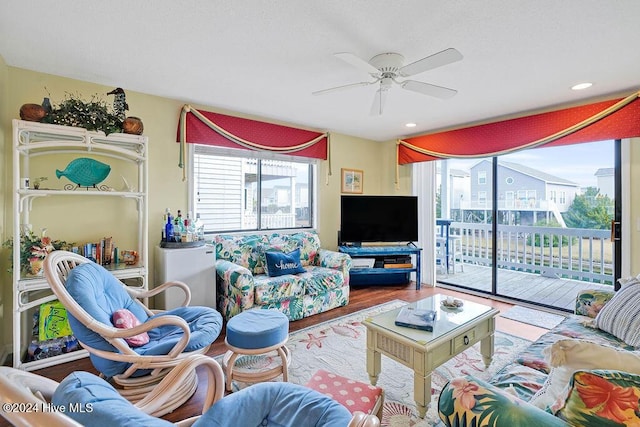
605 183
457 186
460 185
283 198
525 195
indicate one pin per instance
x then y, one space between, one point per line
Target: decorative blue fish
85 172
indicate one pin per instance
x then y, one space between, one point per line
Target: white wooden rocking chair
91 295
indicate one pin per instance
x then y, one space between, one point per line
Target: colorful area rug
339 346
534 317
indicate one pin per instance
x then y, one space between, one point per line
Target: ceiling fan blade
339 88
357 62
436 60
379 100
428 89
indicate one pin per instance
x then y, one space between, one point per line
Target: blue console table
379 275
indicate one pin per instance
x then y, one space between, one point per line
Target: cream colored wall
5 174
79 222
376 160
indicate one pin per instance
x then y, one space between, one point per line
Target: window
482 198
482 177
552 196
509 200
263 191
563 197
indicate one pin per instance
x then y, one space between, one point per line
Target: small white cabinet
194 266
31 140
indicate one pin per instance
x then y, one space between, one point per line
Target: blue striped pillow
621 315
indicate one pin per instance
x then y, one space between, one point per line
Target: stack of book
411 317
102 252
398 262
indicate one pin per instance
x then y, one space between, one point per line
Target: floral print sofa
593 398
243 283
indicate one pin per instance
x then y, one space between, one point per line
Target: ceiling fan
387 69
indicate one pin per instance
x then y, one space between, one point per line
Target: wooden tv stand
379 274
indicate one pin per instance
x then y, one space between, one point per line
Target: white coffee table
455 330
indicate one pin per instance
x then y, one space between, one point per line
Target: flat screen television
378 219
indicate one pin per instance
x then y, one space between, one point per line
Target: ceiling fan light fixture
582 86
385 83
387 69
410 125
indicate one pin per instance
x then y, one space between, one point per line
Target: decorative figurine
85 172
119 103
46 104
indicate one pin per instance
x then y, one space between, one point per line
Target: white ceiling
264 58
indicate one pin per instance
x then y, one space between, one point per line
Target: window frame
260 155
562 197
482 177
482 198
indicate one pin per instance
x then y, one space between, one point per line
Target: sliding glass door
464 255
537 227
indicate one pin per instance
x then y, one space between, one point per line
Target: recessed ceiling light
581 86
410 125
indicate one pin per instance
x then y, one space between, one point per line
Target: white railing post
535 254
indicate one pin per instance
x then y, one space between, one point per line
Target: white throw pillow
569 355
621 315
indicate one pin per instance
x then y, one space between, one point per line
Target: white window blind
241 190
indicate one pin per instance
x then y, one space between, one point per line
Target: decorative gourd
133 125
32 112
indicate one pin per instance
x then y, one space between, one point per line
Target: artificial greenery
91 115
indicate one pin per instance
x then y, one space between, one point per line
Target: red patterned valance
204 127
614 119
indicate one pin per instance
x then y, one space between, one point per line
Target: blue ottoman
256 332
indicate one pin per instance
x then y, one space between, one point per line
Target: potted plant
37 181
33 250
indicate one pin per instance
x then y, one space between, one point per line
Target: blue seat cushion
259 328
100 294
275 404
92 401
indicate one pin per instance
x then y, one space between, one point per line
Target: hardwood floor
360 298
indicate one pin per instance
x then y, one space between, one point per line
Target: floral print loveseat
243 282
592 398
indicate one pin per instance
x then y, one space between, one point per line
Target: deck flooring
533 288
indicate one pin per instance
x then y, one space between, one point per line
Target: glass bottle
163 228
168 232
199 226
180 222
165 218
190 229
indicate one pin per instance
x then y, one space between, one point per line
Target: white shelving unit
32 139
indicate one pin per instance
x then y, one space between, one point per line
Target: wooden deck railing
573 253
